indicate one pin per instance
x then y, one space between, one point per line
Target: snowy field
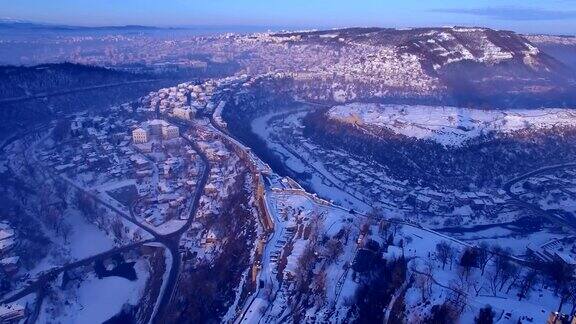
94 300
450 126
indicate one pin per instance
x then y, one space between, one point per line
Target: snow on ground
421 246
294 212
321 180
450 126
86 239
95 300
508 238
113 185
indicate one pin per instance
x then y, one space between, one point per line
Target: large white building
140 135
153 129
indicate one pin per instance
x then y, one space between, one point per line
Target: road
551 216
171 241
51 274
265 275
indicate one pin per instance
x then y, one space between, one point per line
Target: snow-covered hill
450 126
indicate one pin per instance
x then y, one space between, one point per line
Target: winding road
170 241
549 215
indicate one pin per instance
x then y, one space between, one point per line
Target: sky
528 16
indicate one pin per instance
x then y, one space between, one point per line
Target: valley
361 182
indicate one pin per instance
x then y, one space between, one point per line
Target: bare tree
384 228
484 256
501 264
319 288
477 284
564 293
485 316
493 281
468 260
527 282
444 252
559 273
511 273
572 297
458 296
347 230
395 227
424 284
86 205
444 313
304 267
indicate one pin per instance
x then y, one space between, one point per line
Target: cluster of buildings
97 145
318 59
183 101
187 100
200 244
552 190
165 192
157 164
225 166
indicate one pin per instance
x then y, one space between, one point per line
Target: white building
140 135
170 132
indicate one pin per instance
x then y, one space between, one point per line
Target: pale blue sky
553 16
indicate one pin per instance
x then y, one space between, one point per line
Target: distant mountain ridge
23 24
18 24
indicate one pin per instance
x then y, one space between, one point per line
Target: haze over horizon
288 161
556 16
